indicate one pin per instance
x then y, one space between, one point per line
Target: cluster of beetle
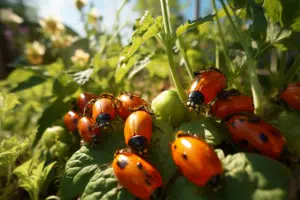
195 159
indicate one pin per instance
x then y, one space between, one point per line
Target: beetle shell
127 103
71 120
196 160
291 95
83 99
254 134
135 174
205 88
104 111
221 108
138 131
87 130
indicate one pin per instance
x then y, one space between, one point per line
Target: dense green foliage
255 43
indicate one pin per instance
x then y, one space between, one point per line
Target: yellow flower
34 52
80 57
80 4
62 41
93 15
52 25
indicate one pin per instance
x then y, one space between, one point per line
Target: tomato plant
91 118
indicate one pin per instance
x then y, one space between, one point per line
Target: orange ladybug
138 131
135 174
83 100
104 110
230 102
205 87
127 103
255 135
196 159
71 120
291 95
87 130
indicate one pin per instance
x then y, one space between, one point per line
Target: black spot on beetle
139 165
263 137
275 133
122 164
184 156
90 128
75 121
175 146
233 124
244 142
147 182
241 120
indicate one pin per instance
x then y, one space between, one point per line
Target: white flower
52 25
80 57
34 52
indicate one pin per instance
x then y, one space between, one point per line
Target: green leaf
159 151
85 162
54 112
259 25
124 69
204 128
288 124
193 24
252 176
10 155
83 76
292 71
103 185
32 175
273 9
296 24
64 85
45 173
7 103
147 28
131 48
285 12
140 65
275 34
182 188
29 83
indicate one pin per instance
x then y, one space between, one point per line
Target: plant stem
217 56
221 36
165 12
185 58
255 86
168 43
292 71
282 67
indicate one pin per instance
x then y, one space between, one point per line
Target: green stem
165 12
168 44
255 86
217 56
182 49
292 71
221 36
236 30
282 67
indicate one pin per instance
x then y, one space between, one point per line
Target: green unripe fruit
53 134
168 107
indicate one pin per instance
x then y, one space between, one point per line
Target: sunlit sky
67 12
